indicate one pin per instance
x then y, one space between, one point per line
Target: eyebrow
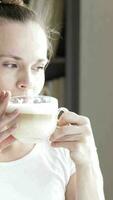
19 58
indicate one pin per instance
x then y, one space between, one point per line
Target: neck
15 151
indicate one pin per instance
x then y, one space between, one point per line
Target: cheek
7 82
39 82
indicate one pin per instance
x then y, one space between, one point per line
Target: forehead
23 39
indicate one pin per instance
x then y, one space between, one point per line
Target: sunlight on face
23 56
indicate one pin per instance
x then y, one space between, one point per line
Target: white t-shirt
40 175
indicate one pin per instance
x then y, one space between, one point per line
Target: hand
74 133
7 121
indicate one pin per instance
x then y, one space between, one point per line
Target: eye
38 68
10 65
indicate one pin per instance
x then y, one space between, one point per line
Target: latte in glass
38 117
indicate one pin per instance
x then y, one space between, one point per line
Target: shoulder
62 157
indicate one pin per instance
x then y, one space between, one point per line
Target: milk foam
34 108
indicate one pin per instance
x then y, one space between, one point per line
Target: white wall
96 79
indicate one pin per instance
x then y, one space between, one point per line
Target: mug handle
61 110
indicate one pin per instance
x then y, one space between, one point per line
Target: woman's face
23 56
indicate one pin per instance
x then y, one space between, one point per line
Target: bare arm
85 184
89 184
71 188
74 132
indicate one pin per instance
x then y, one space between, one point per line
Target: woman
69 167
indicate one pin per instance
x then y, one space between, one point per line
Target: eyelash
38 68
12 65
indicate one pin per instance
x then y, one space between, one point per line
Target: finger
72 118
70 130
4 98
8 141
2 93
68 145
61 110
9 119
70 138
7 133
11 114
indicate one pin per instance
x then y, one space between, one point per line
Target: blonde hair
16 10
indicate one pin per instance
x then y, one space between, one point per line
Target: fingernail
6 94
3 92
60 113
2 96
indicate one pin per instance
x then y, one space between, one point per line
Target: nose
25 81
22 85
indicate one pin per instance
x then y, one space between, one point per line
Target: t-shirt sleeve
69 163
70 167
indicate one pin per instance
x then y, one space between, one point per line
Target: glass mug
38 118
